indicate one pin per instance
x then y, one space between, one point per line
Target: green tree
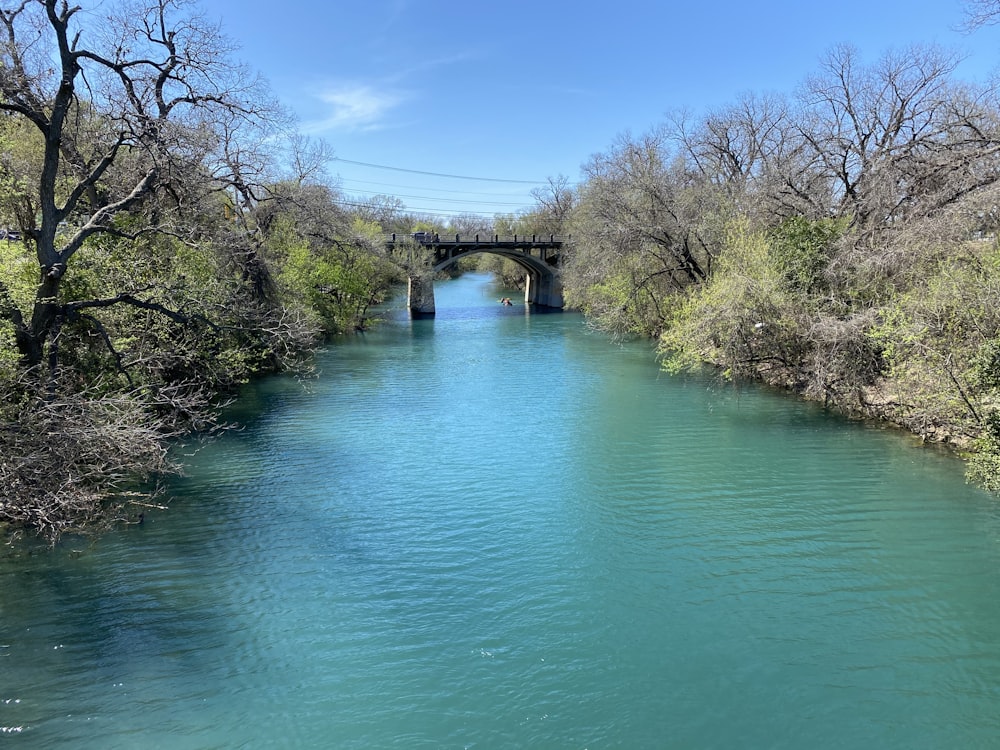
743 319
124 122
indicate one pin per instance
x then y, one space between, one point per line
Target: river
497 529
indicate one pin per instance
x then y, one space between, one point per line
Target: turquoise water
496 529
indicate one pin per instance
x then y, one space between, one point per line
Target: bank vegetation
841 242
165 238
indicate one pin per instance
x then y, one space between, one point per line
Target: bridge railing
436 238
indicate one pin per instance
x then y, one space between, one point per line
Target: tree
468 224
898 139
743 318
384 210
642 231
329 258
553 206
981 13
128 110
134 158
754 152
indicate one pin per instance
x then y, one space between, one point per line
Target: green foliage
424 225
508 273
940 345
18 273
335 284
984 461
204 340
624 301
20 163
986 366
800 249
743 318
505 224
8 354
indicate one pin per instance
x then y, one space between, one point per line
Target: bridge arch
537 255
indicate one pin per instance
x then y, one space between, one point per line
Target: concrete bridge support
420 295
543 289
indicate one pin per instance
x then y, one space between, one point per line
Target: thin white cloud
354 108
416 69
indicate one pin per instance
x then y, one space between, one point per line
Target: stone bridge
538 255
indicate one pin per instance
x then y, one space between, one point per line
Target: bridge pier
420 295
538 255
543 289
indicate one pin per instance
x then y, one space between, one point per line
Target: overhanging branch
128 298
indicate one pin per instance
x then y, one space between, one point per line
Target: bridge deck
543 247
481 241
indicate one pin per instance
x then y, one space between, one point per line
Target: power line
420 210
370 194
425 189
437 174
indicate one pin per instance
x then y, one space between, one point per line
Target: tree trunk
31 338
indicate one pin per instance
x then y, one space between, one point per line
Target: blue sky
520 91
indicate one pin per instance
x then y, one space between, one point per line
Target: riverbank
917 347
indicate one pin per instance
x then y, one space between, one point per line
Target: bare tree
128 107
980 13
898 139
753 150
468 224
554 204
732 144
384 210
639 201
642 230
